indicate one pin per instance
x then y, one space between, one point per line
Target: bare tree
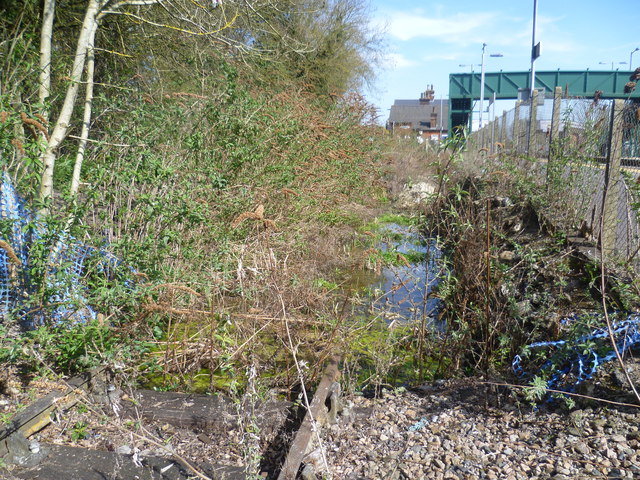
61 127
86 120
46 36
330 51
96 10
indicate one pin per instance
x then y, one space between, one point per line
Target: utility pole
440 134
535 49
631 58
484 45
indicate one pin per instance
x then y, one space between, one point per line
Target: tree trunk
61 128
86 121
46 37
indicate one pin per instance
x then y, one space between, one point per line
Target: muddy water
403 291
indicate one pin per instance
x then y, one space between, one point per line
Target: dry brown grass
281 234
31 124
173 286
408 162
257 214
19 145
11 253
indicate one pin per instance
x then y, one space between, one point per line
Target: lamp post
484 45
470 88
535 50
631 58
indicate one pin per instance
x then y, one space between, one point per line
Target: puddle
402 291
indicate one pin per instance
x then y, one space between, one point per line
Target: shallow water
403 292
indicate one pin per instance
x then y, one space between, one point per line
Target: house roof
418 113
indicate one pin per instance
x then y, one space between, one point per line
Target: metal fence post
555 121
503 129
531 145
516 127
554 135
493 135
612 180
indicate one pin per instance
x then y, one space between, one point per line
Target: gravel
462 430
455 429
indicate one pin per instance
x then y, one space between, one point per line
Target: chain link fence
587 152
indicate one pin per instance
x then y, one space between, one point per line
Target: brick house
424 117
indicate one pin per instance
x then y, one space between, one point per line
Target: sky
427 40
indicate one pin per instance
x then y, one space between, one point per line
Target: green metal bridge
464 88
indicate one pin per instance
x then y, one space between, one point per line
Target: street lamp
612 63
535 49
631 58
469 65
484 46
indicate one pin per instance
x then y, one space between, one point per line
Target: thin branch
46 36
112 52
305 396
102 142
228 25
148 438
126 3
612 337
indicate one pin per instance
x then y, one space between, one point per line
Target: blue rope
568 363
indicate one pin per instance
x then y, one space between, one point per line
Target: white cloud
397 60
454 29
497 29
552 37
441 56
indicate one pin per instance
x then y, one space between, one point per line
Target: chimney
428 95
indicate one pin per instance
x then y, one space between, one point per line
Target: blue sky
428 40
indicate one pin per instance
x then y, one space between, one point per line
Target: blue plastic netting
568 363
61 278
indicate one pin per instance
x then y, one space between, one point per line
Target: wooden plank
316 411
38 414
196 411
